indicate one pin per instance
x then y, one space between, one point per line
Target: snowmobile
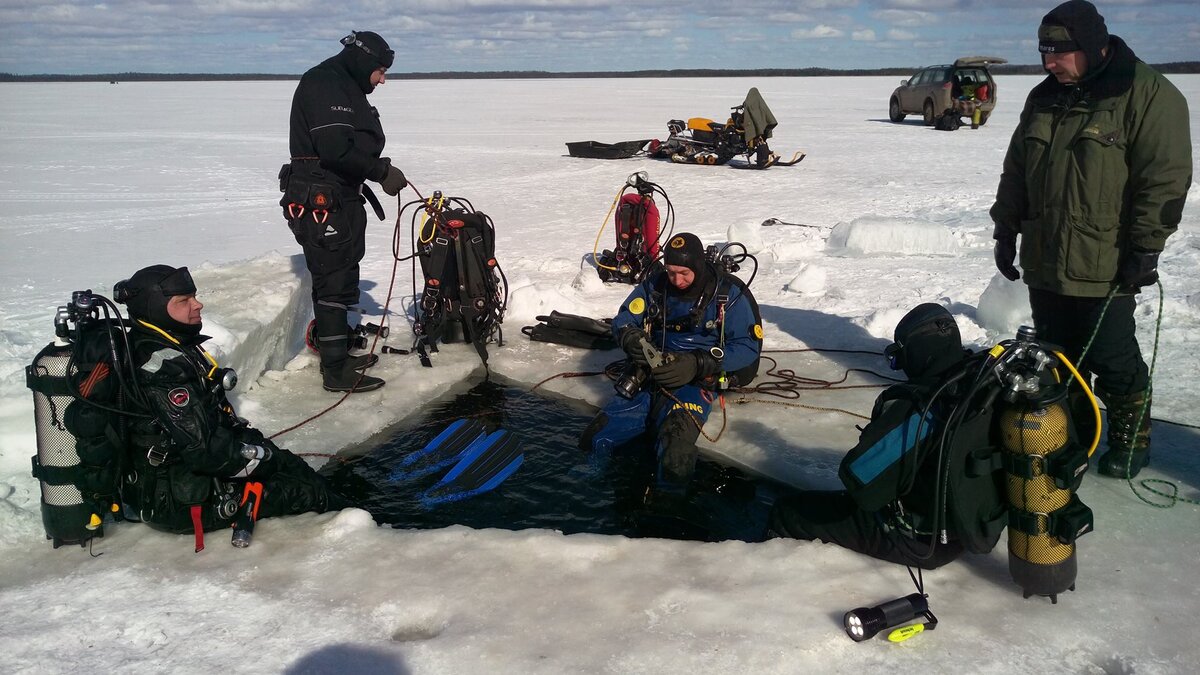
700 140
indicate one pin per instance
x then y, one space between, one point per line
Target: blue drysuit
679 322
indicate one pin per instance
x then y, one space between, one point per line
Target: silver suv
965 87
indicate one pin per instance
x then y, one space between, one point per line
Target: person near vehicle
705 324
190 454
1093 183
889 508
336 142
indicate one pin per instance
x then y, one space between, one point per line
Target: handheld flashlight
865 623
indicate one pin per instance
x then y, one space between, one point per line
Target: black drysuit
192 451
335 140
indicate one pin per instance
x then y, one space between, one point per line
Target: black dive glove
1138 269
393 182
631 342
1005 253
680 369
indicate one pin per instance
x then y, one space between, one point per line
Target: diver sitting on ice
191 455
927 479
688 331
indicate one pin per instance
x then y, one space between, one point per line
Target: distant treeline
1179 67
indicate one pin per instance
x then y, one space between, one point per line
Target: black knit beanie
1074 25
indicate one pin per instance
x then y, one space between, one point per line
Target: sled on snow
598 150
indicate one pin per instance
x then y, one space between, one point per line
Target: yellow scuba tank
1044 466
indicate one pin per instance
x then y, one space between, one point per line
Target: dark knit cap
146 294
927 342
1074 25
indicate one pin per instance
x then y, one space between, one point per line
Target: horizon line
1174 67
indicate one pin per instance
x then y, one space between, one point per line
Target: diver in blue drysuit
706 324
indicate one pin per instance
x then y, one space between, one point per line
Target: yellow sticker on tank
758 331
637 306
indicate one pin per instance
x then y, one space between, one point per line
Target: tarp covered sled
598 150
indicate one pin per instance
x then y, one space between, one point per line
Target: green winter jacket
1094 171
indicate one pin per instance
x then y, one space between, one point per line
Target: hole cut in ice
556 487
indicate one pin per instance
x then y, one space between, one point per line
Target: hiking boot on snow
1128 438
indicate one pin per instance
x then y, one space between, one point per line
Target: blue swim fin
445 449
484 465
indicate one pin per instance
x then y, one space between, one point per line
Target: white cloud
897 34
789 17
904 17
923 4
864 35
819 32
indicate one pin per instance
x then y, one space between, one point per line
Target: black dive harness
310 190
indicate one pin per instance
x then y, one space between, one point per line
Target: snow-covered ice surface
98 180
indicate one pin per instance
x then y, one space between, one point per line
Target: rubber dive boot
1128 434
343 377
359 362
337 369
362 361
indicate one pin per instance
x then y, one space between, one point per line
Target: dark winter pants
1114 356
834 518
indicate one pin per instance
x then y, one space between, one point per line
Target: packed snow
98 180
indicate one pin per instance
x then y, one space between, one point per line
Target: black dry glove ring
707 364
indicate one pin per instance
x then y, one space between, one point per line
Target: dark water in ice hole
554 488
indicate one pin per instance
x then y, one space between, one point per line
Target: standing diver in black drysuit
336 140
890 505
190 458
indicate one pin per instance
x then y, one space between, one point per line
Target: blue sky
288 36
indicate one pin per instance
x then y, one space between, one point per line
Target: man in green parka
1094 182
